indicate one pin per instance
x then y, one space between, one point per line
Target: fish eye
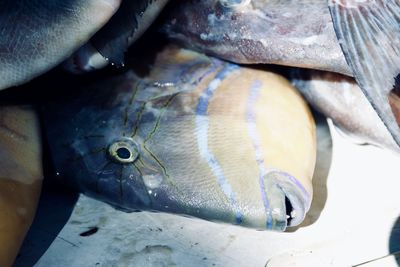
124 151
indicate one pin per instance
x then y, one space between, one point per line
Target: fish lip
283 186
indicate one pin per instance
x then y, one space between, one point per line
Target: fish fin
112 41
369 34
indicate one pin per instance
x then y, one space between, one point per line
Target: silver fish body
196 136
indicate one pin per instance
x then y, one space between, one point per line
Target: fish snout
288 200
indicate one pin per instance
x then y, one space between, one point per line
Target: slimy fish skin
195 136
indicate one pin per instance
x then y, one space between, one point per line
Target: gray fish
304 33
112 41
195 136
36 36
21 176
292 33
341 99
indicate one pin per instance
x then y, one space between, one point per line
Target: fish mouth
288 200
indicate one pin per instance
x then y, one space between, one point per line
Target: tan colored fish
20 177
196 136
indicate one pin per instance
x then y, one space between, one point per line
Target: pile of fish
193 130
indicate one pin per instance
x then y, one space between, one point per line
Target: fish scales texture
293 33
206 144
35 36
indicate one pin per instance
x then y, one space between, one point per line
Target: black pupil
123 153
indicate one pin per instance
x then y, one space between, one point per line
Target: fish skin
108 46
192 142
21 176
369 35
35 36
292 33
128 24
341 99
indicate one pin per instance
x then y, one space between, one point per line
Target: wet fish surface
194 136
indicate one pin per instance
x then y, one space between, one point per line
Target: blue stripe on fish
256 141
298 184
201 131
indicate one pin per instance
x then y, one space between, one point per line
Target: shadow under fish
197 136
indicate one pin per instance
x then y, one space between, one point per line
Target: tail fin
369 34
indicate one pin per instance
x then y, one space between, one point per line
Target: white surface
354 225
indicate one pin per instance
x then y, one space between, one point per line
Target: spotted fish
351 37
195 136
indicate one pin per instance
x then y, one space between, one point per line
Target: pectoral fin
369 34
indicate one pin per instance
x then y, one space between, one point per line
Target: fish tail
369 35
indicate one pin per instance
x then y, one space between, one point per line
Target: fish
112 41
290 33
193 136
37 36
21 176
350 37
340 98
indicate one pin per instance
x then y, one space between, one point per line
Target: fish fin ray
369 34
